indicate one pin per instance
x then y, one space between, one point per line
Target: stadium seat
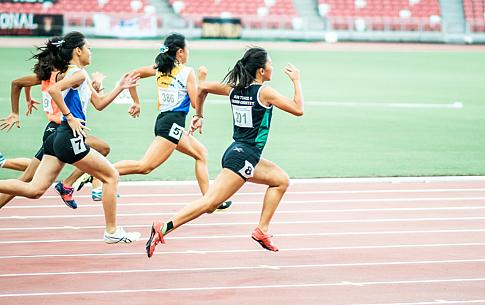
475 14
378 15
279 12
69 7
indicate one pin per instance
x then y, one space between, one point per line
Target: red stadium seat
67 6
279 15
474 10
375 10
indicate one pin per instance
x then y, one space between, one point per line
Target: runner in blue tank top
252 104
67 144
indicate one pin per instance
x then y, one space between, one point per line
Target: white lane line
158 214
297 193
259 202
265 287
435 302
199 252
323 181
224 224
236 268
198 237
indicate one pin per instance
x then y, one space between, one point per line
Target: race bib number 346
242 116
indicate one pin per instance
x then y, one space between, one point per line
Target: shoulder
188 71
265 93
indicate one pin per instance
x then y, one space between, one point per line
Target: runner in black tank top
252 105
251 118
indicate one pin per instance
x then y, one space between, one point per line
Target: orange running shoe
66 194
264 240
156 237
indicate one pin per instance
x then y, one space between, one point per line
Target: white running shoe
120 236
81 181
97 194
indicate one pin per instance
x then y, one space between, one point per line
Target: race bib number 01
168 98
176 131
242 116
78 145
248 170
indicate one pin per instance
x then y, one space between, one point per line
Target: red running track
359 242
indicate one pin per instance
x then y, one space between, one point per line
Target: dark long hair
244 72
165 60
56 54
72 40
45 58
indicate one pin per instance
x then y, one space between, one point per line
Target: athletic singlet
77 99
172 90
51 110
251 118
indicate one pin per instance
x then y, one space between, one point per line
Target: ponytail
56 54
70 41
46 57
166 59
244 72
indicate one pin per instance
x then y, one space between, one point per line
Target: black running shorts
49 129
170 125
241 158
63 145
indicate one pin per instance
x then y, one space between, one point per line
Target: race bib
248 170
168 98
242 116
176 131
46 102
78 145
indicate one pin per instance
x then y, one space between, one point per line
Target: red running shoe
156 237
264 240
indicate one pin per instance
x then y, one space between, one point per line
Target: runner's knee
283 181
35 192
201 154
104 149
146 168
110 177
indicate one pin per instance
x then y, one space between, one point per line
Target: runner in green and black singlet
251 118
252 105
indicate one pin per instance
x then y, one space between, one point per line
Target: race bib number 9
78 145
242 116
168 98
46 102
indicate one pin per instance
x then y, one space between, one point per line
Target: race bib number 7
78 145
242 116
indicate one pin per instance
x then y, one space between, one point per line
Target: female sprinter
72 95
177 90
46 75
252 106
